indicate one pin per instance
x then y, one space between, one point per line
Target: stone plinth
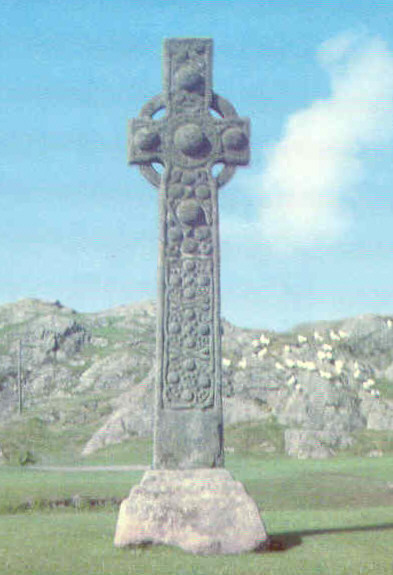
203 511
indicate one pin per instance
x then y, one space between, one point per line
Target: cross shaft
188 141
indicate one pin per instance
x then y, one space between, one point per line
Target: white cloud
310 170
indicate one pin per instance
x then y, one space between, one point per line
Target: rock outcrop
321 382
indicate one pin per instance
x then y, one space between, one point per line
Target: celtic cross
188 141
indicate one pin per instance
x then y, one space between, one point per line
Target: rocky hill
319 383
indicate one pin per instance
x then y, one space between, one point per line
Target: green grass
280 483
23 485
256 437
63 445
115 333
324 517
74 420
9 329
367 441
320 543
288 484
47 444
385 388
136 451
77 418
62 441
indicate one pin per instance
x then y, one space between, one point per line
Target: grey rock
375 453
202 511
314 443
320 404
388 372
119 370
133 417
295 396
379 414
239 410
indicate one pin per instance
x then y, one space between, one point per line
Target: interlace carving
188 141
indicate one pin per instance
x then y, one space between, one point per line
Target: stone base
203 511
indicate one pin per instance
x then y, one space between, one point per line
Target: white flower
290 362
339 364
368 384
327 347
264 340
334 336
242 363
325 374
310 365
279 366
324 355
226 362
255 343
317 336
291 381
301 338
262 353
343 334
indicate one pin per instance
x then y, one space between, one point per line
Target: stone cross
184 501
188 141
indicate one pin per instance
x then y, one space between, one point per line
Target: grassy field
324 517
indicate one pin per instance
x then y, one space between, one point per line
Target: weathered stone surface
133 417
120 370
255 392
314 443
188 141
262 380
379 414
203 511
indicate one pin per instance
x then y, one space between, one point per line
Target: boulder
133 416
202 511
379 414
314 443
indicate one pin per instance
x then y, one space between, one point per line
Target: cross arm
145 141
234 141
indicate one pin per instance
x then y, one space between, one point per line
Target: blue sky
306 230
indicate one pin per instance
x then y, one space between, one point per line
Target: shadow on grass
285 541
